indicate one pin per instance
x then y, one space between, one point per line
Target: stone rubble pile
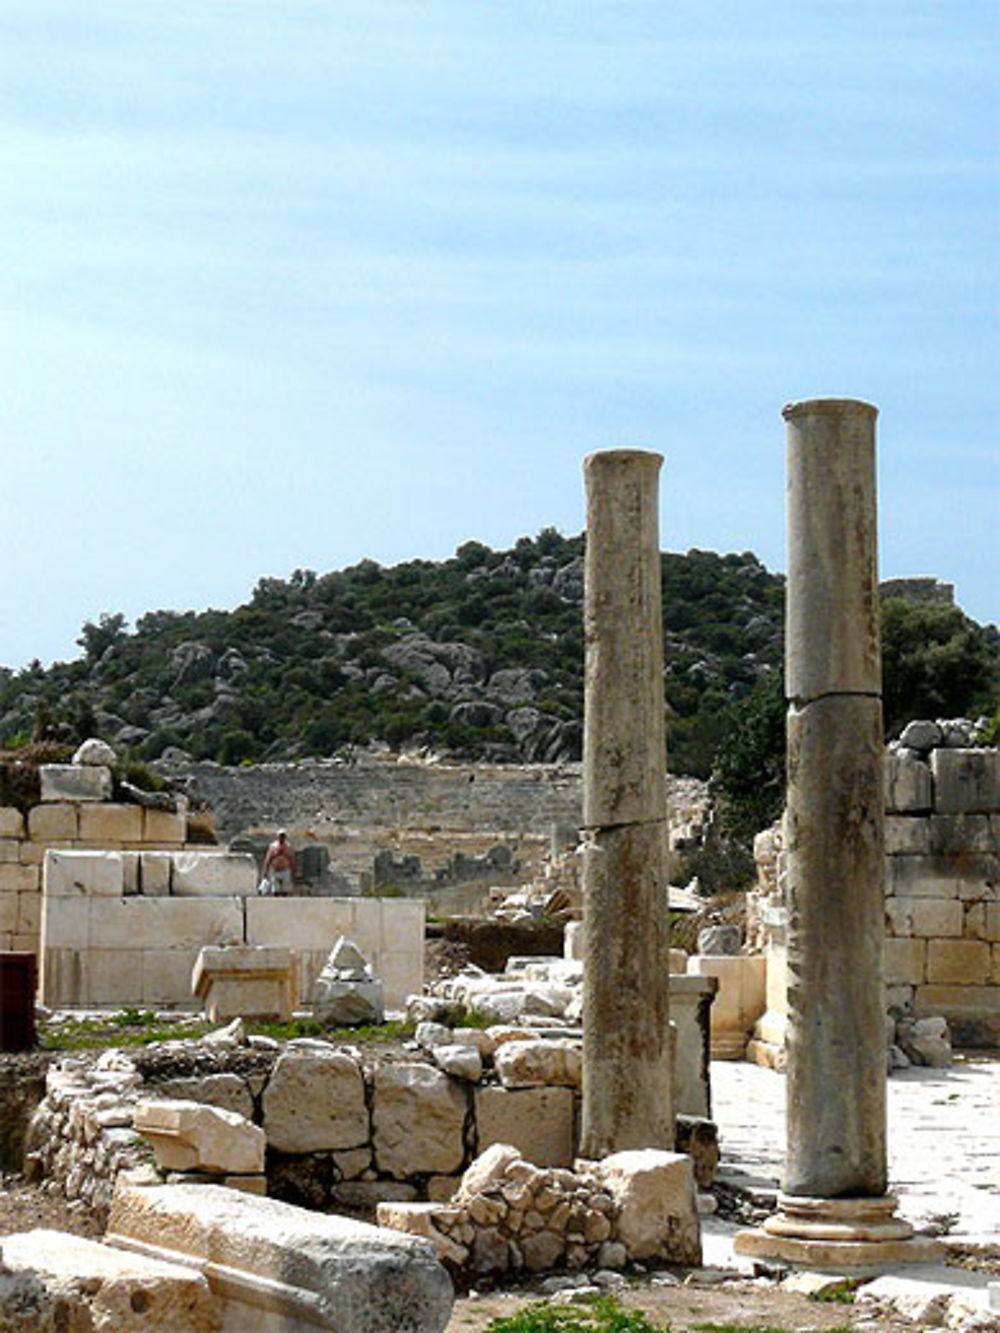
81 1137
509 1216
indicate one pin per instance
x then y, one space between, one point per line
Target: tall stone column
835 842
627 1093
834 1206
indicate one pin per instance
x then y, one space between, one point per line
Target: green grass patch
141 1027
601 1315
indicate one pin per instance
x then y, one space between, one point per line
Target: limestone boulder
315 1102
94 751
418 1120
656 1204
524 1064
459 1060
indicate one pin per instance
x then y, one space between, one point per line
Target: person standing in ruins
278 865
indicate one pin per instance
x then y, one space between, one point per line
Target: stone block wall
942 905
125 928
68 825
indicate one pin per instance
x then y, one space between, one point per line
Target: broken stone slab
75 782
346 1004
273 1262
656 1201
347 993
188 1136
347 962
459 1060
52 1280
246 981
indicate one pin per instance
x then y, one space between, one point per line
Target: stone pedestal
627 1093
246 981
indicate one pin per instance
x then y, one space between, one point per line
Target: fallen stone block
273 1262
656 1202
51 1281
187 1136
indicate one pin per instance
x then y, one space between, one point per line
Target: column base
837 1233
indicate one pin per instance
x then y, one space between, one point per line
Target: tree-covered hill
479 656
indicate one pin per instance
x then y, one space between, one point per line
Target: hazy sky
291 283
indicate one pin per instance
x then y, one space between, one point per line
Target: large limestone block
213 874
315 1102
340 1274
229 1092
75 874
110 824
189 1136
306 923
8 913
908 785
163 826
419 1121
907 835
154 874
656 1202
166 923
537 1122
75 782
958 962
11 822
54 1281
905 961
112 976
58 822
17 878
958 835
166 976
929 918
527 1064
832 643
966 780
973 1012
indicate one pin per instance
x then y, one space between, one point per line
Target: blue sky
291 284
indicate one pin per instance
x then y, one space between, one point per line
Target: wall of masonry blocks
68 825
125 927
942 904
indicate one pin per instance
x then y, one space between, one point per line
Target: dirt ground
742 1303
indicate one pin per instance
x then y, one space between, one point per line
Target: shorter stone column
627 1074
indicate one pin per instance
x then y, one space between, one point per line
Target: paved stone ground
943 1136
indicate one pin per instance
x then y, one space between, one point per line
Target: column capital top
826 407
623 456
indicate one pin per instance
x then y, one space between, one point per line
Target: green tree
936 662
